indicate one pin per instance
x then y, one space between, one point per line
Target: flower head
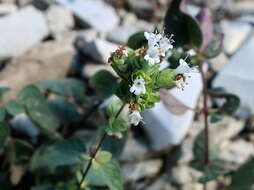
152 55
165 45
152 38
138 86
184 68
135 118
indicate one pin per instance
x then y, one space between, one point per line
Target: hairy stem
205 112
94 153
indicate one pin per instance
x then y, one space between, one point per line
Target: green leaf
38 111
64 110
2 91
108 173
216 117
243 178
210 176
113 108
137 40
2 113
231 103
13 107
63 153
214 48
185 28
104 82
65 87
22 149
103 157
4 133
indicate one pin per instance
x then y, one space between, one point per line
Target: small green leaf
109 174
2 113
137 40
65 87
243 178
185 28
216 117
64 110
14 107
103 157
104 82
113 108
4 133
63 153
210 176
38 111
22 149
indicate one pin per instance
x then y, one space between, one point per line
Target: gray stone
161 184
48 60
165 128
6 9
140 5
133 151
237 152
122 33
218 62
99 49
135 171
240 7
247 19
237 77
95 13
59 19
235 34
87 35
24 125
21 31
90 69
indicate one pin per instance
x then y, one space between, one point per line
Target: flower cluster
145 70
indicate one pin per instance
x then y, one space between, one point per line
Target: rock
129 18
122 33
237 152
135 171
182 174
48 60
6 9
99 50
218 62
24 125
237 78
22 3
87 35
95 13
162 126
247 18
235 33
240 7
133 151
161 184
140 5
21 31
59 19
90 69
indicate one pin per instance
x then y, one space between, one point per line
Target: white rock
7 8
235 33
122 33
239 7
21 31
237 77
90 69
140 5
95 13
59 19
218 62
87 35
135 171
165 128
181 175
237 152
247 18
99 49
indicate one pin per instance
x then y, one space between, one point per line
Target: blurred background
49 39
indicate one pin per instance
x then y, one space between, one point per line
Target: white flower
152 38
191 52
138 86
135 118
152 55
163 65
165 45
184 67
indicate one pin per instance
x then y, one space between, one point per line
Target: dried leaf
17 172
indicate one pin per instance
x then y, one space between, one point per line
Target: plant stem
205 112
94 153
